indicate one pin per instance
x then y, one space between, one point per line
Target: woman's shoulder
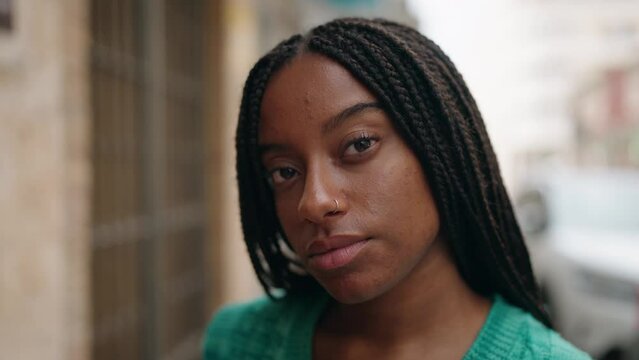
512 333
250 330
235 316
242 329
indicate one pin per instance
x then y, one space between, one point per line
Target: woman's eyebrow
330 125
347 114
266 148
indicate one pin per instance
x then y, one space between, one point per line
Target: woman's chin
350 290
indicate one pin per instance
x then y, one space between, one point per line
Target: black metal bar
155 118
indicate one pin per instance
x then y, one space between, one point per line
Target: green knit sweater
265 329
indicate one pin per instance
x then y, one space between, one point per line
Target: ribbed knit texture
264 329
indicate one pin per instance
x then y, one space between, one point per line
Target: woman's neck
432 307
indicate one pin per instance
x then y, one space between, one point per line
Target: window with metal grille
148 207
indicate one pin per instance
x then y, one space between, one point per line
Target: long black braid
426 98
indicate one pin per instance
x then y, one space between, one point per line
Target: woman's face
350 195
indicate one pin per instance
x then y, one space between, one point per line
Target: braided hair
430 106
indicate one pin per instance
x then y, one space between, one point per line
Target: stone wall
44 182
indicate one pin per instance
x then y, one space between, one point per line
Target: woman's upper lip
324 245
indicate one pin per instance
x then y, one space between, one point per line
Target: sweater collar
496 336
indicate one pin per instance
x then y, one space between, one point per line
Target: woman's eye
281 175
359 146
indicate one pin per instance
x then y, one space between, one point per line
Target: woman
374 212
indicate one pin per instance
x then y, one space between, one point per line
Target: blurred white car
582 230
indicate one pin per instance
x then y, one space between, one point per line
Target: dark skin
401 296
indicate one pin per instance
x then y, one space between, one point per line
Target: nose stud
336 206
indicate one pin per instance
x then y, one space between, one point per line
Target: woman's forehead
310 88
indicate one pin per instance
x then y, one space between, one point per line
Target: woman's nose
321 197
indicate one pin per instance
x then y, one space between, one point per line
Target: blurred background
119 227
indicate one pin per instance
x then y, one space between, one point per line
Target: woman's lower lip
336 258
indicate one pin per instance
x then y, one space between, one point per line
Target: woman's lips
335 251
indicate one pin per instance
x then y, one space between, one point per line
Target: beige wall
44 189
